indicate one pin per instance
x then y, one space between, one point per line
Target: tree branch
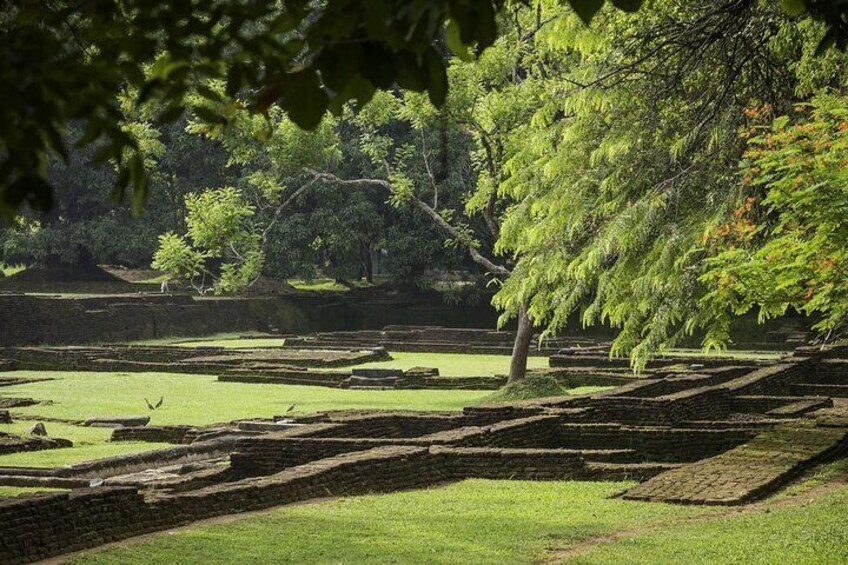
476 256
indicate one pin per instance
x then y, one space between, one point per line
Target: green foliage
220 228
72 62
785 246
631 154
177 259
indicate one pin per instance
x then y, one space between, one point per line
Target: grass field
8 492
253 342
89 443
511 522
455 364
201 399
198 400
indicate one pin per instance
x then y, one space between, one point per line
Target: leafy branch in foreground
64 62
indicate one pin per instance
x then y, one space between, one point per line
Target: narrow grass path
89 443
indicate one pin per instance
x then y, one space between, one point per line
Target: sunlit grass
8 492
475 521
455 364
72 455
515 522
318 285
89 443
201 399
238 343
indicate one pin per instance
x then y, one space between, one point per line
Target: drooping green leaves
68 61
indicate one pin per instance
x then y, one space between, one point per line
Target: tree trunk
365 252
521 347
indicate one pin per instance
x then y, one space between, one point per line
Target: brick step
750 471
663 444
811 389
763 423
265 426
800 407
263 379
625 471
609 455
604 361
762 404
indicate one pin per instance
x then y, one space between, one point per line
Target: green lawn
474 521
200 399
72 455
318 285
456 364
8 492
231 339
89 443
237 343
813 533
512 522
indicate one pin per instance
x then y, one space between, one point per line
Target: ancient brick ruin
724 434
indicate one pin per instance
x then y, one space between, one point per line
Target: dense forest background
661 172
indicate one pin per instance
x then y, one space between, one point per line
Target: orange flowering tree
786 246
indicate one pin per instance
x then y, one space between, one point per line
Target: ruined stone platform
716 435
747 472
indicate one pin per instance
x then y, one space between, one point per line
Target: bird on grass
291 408
154 406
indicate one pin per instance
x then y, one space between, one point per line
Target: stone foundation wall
652 444
36 320
39 527
389 426
152 434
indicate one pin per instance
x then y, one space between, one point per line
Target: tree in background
222 248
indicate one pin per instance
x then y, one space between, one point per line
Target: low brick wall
832 371
388 426
653 444
39 527
153 434
604 361
10 443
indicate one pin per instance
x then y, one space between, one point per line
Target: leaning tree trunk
521 347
